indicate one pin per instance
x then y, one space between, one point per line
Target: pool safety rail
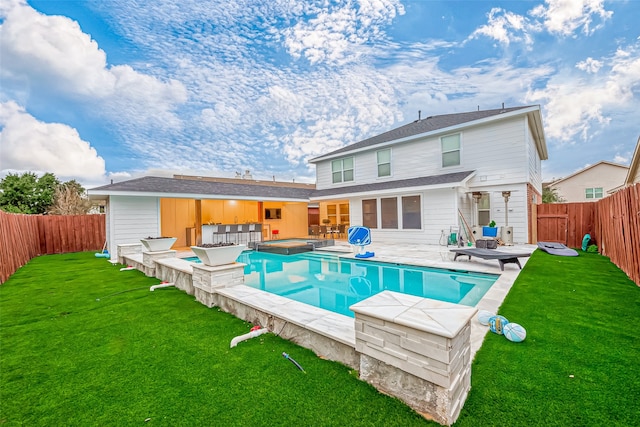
360 236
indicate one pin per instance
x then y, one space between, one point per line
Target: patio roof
421 183
153 186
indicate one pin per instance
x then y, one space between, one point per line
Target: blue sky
113 89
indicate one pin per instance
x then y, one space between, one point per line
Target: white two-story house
418 182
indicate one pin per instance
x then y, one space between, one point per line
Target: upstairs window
450 150
342 170
593 193
384 162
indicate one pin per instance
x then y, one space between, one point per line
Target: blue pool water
333 283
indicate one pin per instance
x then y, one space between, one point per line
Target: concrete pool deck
341 328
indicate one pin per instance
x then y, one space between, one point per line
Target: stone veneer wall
418 350
261 312
149 260
181 277
128 249
207 279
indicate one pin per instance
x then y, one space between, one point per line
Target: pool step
320 255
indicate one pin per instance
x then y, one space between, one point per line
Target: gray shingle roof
425 125
449 178
173 186
158 185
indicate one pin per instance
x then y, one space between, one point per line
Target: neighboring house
591 183
413 183
633 175
177 207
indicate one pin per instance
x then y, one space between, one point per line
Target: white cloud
580 106
337 32
30 145
589 65
564 17
621 159
506 27
561 17
53 53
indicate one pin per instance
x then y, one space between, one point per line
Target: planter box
490 231
220 255
155 245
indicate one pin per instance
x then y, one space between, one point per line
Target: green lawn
82 343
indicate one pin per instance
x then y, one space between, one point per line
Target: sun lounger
502 257
557 249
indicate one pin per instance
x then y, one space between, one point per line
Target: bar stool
274 234
243 232
231 230
218 231
253 229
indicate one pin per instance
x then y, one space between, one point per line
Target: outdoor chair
502 257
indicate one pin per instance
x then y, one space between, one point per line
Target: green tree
550 195
27 193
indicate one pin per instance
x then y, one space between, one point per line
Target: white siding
498 152
440 214
130 219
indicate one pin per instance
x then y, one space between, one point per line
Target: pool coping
341 328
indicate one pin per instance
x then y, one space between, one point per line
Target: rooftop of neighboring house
583 170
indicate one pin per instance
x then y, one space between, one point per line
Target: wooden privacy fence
618 230
566 223
614 223
23 237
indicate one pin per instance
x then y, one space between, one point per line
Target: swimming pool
333 283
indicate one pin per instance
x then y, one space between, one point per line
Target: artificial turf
82 343
578 365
